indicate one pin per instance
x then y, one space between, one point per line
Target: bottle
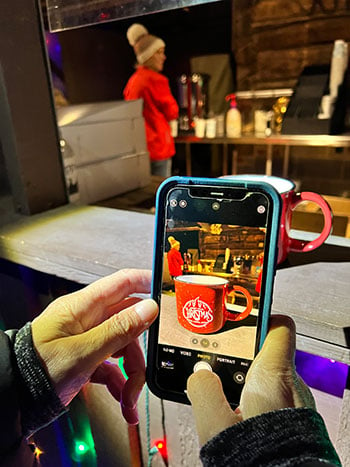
189 262
233 118
339 64
185 265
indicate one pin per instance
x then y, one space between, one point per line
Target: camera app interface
213 256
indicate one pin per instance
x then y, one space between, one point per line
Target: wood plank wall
273 40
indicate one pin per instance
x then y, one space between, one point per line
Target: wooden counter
82 244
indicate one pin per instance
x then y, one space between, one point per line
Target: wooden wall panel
274 64
273 40
309 32
282 11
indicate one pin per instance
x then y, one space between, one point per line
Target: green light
81 447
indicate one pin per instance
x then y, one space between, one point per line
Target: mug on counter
291 199
201 302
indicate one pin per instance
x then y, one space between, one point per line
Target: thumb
272 382
211 410
119 330
279 345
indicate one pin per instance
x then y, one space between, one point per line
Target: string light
37 452
81 447
160 444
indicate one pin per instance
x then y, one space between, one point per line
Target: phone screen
213 248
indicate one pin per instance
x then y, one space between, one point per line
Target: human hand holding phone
271 384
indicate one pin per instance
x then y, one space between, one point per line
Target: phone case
164 188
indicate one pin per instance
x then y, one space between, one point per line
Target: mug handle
232 316
303 245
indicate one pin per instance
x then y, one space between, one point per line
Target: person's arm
26 392
284 437
276 422
45 364
160 93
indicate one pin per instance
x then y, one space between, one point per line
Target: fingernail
130 414
146 309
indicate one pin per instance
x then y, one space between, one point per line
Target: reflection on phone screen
211 289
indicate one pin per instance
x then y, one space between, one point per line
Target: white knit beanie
145 45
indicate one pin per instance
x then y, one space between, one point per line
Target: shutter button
202 366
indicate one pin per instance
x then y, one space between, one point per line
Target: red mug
201 302
291 199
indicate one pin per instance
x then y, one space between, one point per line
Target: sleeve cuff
288 436
39 402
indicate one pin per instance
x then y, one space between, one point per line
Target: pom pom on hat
145 45
135 32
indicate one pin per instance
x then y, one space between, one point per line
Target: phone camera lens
215 206
261 209
173 203
183 203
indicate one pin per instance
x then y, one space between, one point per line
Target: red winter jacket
158 109
175 262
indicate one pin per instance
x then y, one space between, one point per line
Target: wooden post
188 159
234 161
286 158
268 164
224 159
28 130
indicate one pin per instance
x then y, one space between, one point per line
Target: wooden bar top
84 243
80 243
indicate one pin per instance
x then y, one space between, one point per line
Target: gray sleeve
38 401
284 438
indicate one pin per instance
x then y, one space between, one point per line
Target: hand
78 332
271 384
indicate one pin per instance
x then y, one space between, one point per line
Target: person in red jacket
159 105
175 261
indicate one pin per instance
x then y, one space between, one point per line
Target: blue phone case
269 263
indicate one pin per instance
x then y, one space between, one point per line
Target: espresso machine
192 98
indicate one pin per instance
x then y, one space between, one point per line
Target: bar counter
82 244
287 141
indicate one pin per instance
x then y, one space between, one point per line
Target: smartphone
214 262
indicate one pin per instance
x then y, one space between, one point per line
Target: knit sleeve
39 403
287 437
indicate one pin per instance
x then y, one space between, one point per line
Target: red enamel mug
201 302
291 199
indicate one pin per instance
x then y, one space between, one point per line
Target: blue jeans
162 168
